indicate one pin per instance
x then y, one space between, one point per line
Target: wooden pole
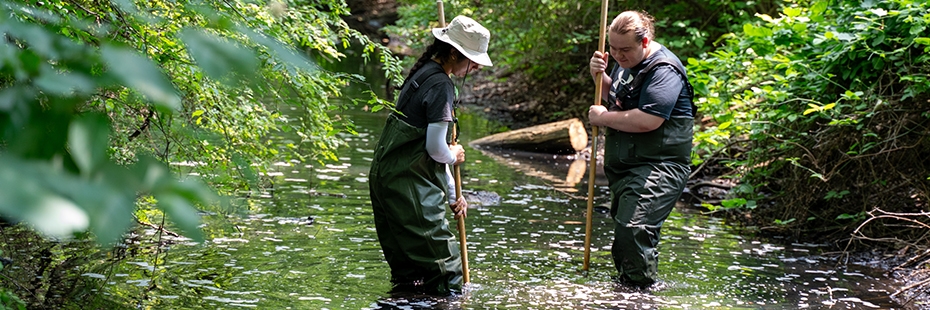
456 172
598 89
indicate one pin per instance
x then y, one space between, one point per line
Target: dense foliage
823 112
541 50
103 104
97 97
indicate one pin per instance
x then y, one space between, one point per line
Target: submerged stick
456 171
598 88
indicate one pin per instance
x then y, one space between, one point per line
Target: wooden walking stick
456 170
598 89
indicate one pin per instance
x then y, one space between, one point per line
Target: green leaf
56 216
15 95
152 174
27 197
288 55
818 8
879 38
924 41
88 139
109 206
182 214
221 59
64 84
880 12
813 108
36 38
141 74
193 191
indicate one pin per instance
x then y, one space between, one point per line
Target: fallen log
562 137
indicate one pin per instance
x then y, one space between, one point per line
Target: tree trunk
563 137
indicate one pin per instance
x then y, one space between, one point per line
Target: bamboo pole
598 89
456 172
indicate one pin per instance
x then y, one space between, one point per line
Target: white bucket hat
467 36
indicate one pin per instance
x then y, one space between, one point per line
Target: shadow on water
311 244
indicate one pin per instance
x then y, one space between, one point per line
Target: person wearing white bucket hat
410 182
467 36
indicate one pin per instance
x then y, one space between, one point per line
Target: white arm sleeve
436 143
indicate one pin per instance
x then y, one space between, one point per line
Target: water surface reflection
310 243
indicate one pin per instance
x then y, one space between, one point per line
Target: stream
309 242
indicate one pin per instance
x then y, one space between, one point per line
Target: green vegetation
9 300
97 98
821 111
103 105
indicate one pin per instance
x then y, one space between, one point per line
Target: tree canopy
98 98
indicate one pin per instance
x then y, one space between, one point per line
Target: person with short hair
410 180
649 117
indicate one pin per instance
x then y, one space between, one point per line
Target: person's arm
657 99
436 143
634 120
442 153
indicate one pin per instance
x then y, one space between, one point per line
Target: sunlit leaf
880 12
152 174
110 210
141 74
765 17
792 11
192 190
288 55
813 108
56 216
819 8
36 38
64 83
88 138
182 214
222 59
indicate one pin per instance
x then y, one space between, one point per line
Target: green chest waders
647 173
409 201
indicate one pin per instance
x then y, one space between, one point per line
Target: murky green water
310 243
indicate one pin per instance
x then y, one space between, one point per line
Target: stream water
309 242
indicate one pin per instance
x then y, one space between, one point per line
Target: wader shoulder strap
638 79
425 77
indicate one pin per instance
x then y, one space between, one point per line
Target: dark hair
440 50
641 23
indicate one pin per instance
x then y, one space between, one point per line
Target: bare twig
906 288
